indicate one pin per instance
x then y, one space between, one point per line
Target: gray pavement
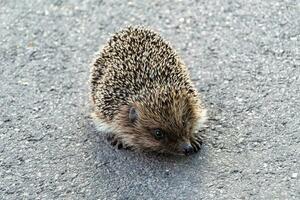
244 58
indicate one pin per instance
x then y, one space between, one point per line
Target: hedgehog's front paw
196 143
114 141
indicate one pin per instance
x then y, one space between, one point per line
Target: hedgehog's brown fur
138 69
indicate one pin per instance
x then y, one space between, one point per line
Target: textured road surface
244 58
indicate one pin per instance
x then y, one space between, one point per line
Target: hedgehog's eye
158 134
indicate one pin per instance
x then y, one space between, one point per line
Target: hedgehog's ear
133 115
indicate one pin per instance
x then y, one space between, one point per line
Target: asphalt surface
244 57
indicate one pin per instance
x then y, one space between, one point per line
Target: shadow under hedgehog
142 95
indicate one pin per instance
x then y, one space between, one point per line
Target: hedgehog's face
154 132
169 128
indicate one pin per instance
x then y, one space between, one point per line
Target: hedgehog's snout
187 148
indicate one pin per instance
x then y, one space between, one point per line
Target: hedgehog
143 97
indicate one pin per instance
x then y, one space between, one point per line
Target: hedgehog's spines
131 47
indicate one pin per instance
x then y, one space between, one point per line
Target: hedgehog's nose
187 149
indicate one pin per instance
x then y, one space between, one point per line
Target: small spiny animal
142 95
